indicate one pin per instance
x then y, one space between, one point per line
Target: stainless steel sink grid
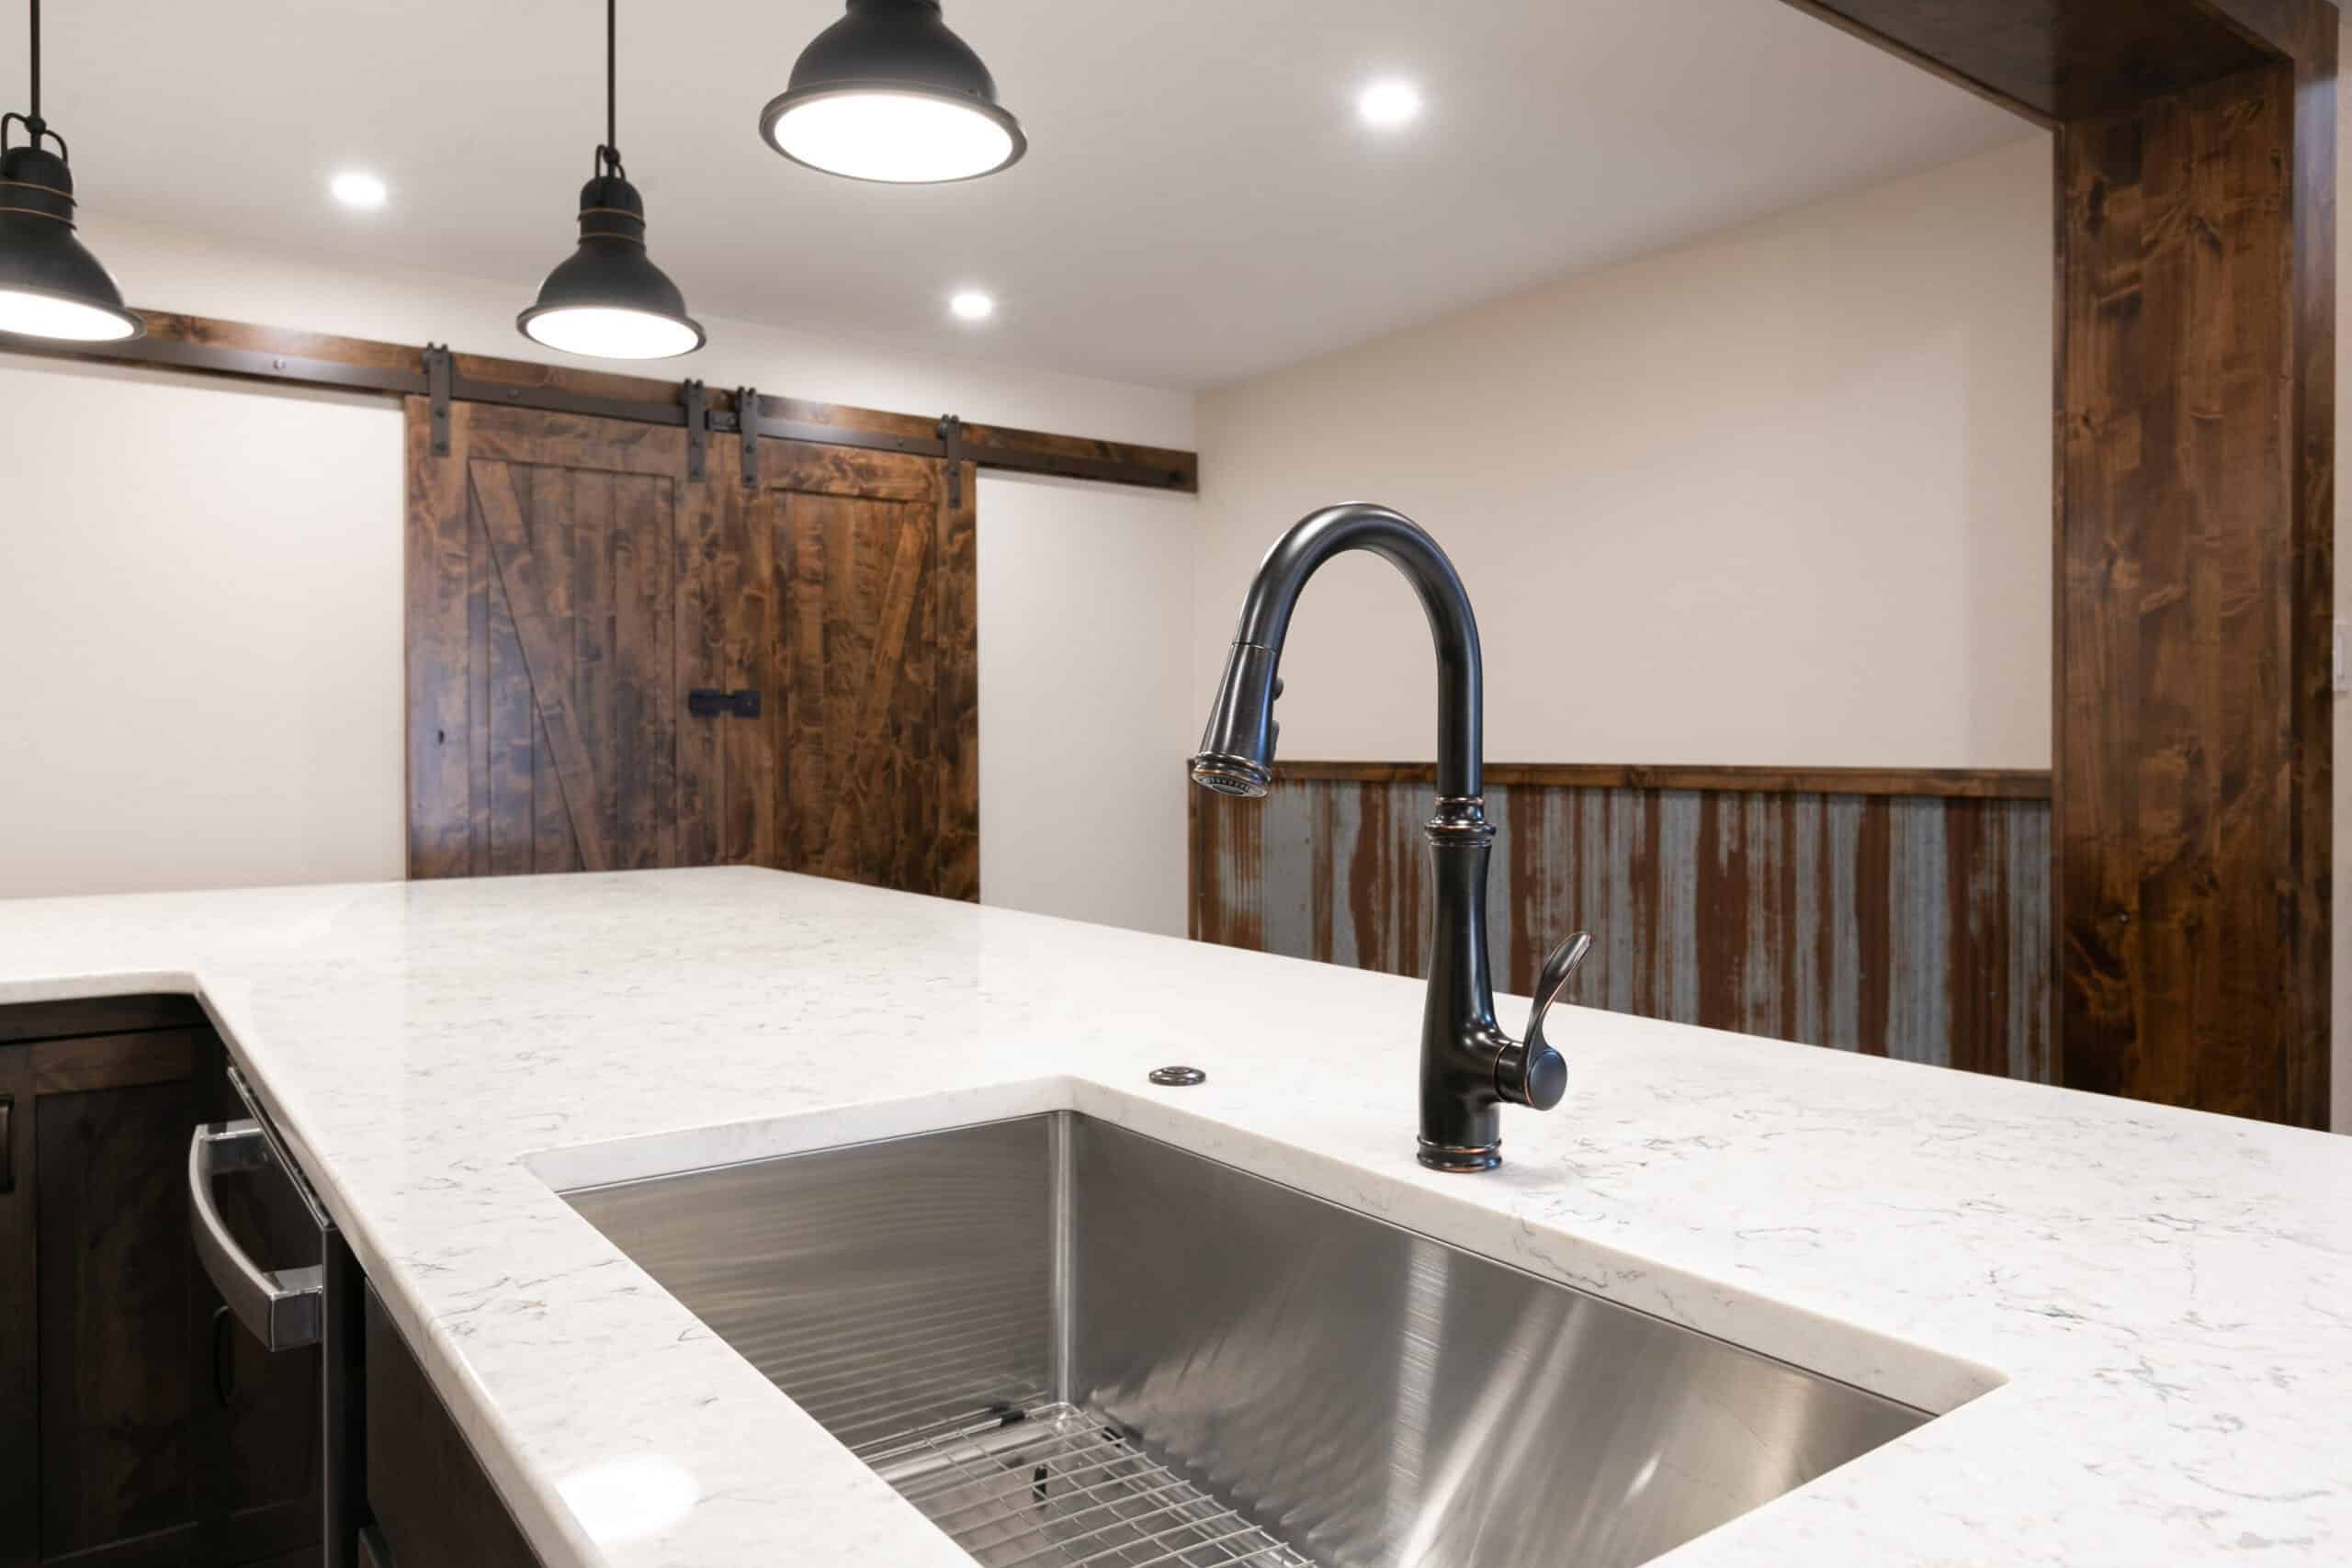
1069 1343
1059 1485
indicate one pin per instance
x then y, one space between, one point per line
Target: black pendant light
889 93
50 286
607 298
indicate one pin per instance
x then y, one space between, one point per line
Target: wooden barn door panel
570 585
852 588
581 570
546 740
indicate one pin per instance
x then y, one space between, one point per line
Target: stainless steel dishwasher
316 1299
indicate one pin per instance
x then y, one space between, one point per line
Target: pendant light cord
608 156
35 127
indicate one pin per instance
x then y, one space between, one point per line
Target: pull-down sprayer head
1236 754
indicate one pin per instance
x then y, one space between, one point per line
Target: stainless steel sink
1070 1344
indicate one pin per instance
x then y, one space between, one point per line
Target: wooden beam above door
2054 61
206 346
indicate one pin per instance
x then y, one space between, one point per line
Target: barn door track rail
205 346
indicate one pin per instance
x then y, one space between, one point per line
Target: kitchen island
2131 1323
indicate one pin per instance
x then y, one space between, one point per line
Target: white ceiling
1199 202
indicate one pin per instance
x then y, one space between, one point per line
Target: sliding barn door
570 587
856 610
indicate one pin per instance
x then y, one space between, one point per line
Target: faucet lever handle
1533 1073
1559 968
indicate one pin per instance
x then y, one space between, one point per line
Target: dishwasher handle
283 1310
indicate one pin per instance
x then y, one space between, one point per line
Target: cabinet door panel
114 1314
431 1500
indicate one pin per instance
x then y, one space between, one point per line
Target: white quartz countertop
2158 1302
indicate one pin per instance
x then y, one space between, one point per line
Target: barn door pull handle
7 1143
709 702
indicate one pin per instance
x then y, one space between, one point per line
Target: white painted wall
199 634
1780 497
200 645
1086 613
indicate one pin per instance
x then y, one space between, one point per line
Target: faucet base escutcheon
1444 1156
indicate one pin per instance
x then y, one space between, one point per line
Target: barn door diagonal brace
698 426
747 420
951 441
439 374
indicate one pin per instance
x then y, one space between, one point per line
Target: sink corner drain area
1067 1343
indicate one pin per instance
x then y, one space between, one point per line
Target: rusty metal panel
1910 925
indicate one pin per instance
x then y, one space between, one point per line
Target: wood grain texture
2290 29
542 700
117 1061
957 687
1941 784
116 1314
1904 925
2195 513
871 585
569 592
2315 34
2057 60
445 630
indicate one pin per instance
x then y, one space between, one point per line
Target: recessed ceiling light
1389 103
354 188
972 305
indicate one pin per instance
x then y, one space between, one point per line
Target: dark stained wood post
2195 514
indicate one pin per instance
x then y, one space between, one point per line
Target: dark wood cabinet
434 1504
137 1424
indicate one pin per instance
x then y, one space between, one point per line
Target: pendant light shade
889 93
607 299
50 286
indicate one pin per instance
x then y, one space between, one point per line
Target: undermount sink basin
1067 1343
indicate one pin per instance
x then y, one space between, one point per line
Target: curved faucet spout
1468 1065
1237 749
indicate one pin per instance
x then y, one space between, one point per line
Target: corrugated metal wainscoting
1913 925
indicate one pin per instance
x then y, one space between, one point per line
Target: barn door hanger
747 420
697 403
439 373
950 440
